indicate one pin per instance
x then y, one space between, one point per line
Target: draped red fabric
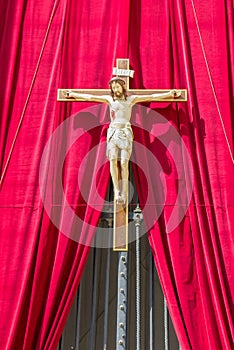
46 45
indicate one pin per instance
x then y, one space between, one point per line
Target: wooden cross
120 241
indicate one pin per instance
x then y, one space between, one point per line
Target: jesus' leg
124 176
115 177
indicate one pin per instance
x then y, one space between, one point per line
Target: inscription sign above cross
120 99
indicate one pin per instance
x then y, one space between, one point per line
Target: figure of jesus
119 133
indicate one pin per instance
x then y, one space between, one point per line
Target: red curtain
47 45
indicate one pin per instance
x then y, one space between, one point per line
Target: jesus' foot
119 198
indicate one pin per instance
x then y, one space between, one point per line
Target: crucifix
120 99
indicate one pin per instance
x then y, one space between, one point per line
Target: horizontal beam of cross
98 92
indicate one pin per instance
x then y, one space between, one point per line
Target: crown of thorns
117 79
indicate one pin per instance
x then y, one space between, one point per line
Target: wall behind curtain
40 267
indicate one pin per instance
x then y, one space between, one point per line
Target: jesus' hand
175 93
67 93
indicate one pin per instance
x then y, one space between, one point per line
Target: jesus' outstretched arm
86 97
155 97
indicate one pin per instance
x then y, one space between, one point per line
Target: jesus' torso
120 110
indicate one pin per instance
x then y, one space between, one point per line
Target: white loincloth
119 139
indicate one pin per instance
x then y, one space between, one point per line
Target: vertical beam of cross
120 229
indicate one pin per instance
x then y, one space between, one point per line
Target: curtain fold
57 176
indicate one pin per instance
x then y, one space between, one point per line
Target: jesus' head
118 89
